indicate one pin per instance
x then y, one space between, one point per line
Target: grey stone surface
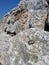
23 40
5 46
37 18
37 4
34 4
29 19
30 47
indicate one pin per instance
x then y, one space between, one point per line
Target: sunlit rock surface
30 47
23 40
5 46
24 20
33 4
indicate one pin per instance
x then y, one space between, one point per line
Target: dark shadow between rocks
46 27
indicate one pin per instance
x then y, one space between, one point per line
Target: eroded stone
31 54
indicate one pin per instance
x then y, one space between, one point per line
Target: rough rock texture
5 46
33 4
23 40
24 20
30 47
37 18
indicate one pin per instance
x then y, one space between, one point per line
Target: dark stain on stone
10 33
30 26
5 30
0 63
35 59
8 22
30 42
18 12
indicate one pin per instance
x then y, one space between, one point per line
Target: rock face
24 36
22 18
30 47
33 4
4 49
37 18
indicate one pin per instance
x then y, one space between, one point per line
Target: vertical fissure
46 27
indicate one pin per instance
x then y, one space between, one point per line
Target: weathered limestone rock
4 49
29 19
18 25
33 4
37 18
30 43
30 47
22 18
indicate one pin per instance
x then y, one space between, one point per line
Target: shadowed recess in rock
47 1
46 28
